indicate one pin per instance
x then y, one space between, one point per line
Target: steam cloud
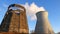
32 9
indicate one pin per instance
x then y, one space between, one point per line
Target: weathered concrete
15 20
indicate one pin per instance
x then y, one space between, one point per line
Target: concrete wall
15 20
42 24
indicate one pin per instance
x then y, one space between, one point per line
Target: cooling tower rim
42 12
17 5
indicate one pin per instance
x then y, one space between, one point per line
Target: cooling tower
43 25
15 20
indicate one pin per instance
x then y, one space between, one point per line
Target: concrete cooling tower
15 20
43 25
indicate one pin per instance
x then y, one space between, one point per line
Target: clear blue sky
52 6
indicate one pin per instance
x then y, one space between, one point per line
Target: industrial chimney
43 25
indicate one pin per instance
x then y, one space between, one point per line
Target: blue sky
52 6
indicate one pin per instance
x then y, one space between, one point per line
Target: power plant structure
15 20
43 26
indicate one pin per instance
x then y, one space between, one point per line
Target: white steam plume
32 9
